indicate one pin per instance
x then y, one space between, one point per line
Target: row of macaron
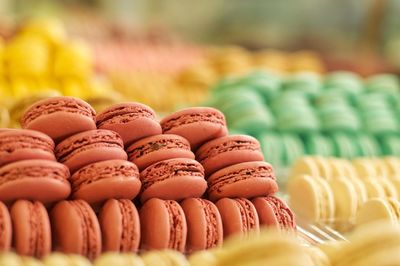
188 226
340 192
291 110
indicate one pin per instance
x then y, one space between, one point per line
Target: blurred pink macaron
132 121
197 124
60 117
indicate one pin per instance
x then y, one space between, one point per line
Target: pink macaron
40 180
239 216
89 147
173 179
97 182
225 151
60 117
24 144
132 121
197 124
157 148
247 180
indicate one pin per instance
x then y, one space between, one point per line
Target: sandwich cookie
150 150
89 147
173 179
197 124
31 228
76 229
163 225
132 121
239 216
40 180
274 212
225 151
100 181
379 209
204 224
6 228
120 226
23 144
247 180
59 117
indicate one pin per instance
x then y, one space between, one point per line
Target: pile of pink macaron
76 182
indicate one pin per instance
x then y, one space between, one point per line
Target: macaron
162 225
204 224
197 124
12 259
311 198
274 212
119 259
89 147
103 180
379 209
173 179
6 228
150 150
132 121
239 216
120 226
23 144
31 228
225 151
247 180
59 117
346 200
61 259
40 180
75 229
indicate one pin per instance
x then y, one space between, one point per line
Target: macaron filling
58 105
184 119
235 176
156 145
176 225
124 114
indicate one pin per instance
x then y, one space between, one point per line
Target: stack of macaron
343 192
339 114
81 177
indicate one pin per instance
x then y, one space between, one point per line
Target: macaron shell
239 216
120 226
222 152
374 210
100 181
6 228
31 228
17 145
150 150
41 180
76 229
163 225
69 116
132 121
247 180
345 199
204 224
209 124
